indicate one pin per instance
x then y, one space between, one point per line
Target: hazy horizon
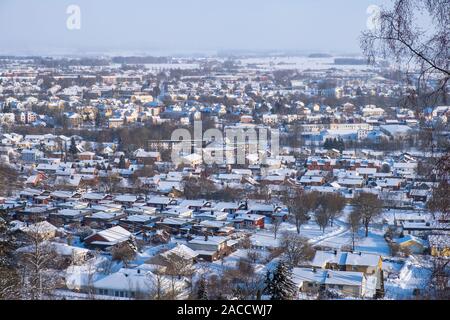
183 27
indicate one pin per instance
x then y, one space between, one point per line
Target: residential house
107 238
209 248
314 281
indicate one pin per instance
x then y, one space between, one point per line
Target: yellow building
115 122
412 244
144 98
439 245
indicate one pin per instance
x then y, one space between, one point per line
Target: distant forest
349 61
140 60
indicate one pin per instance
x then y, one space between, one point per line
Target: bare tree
36 262
436 286
368 207
276 224
91 269
253 255
399 34
157 291
354 221
124 252
242 281
296 248
111 182
246 243
439 203
219 287
8 180
333 205
176 267
322 217
299 205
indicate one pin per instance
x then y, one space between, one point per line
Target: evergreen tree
327 144
340 145
280 285
122 164
73 147
98 119
9 276
65 151
202 293
119 144
269 283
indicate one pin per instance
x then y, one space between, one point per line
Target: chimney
139 271
206 237
360 253
335 252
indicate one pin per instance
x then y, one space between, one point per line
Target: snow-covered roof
138 218
128 280
182 251
214 240
125 198
321 258
69 212
250 216
114 234
410 238
362 259
329 277
60 248
39 227
158 200
93 196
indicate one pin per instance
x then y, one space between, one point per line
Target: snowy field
299 63
374 243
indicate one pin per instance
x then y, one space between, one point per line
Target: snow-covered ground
149 252
91 271
413 275
299 63
309 230
373 243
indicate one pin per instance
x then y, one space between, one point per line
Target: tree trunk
353 241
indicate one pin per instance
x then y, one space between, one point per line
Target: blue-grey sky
171 26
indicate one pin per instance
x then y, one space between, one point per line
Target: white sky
30 26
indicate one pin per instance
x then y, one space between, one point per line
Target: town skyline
248 152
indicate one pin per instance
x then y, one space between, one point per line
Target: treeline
65 62
349 61
334 144
140 60
129 137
